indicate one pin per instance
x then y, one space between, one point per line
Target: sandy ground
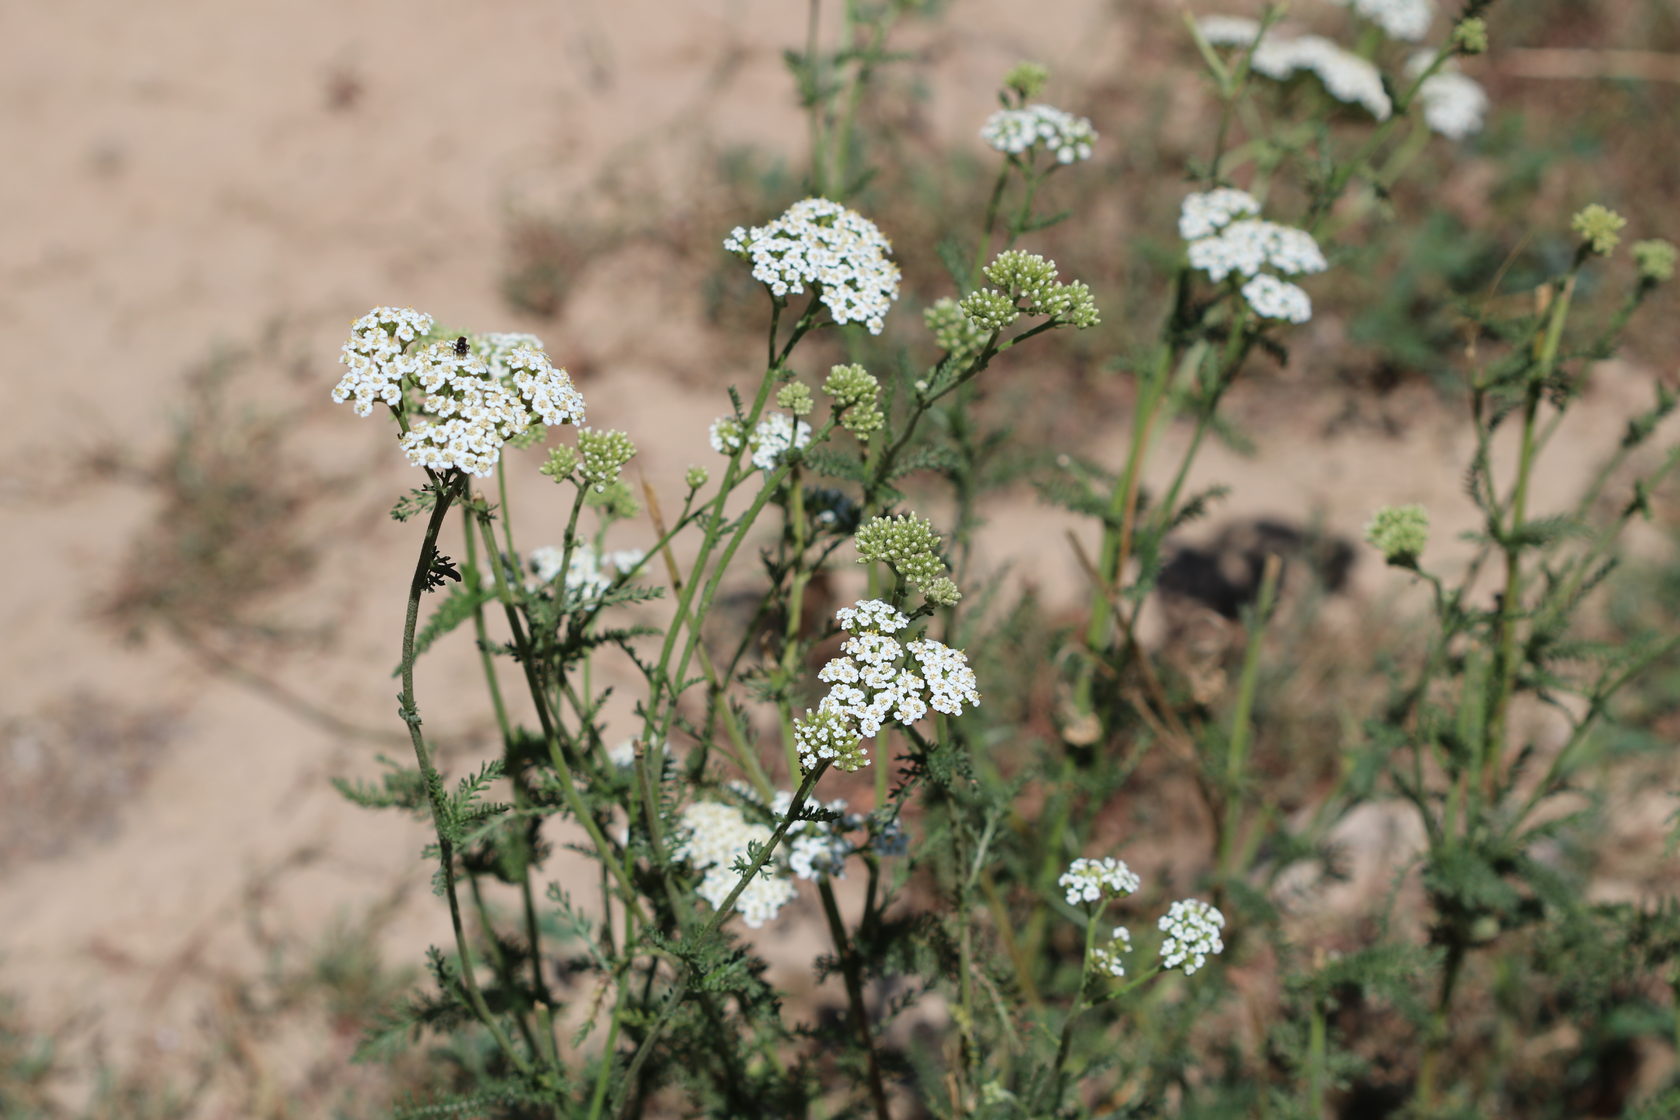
186 174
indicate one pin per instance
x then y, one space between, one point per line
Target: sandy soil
187 174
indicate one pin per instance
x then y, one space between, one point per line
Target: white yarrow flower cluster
1063 135
1096 880
1208 212
1229 31
467 414
817 848
1192 928
496 347
770 440
1223 241
1345 75
374 359
1110 958
1399 19
713 838
822 244
468 409
591 572
873 683
1454 104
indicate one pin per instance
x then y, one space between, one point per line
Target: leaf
413 503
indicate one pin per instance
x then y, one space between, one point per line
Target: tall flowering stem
445 488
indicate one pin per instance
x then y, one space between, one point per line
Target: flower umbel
1192 928
1097 880
1400 533
821 244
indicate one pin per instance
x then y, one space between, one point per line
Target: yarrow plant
808 701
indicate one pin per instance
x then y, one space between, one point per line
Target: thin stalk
446 488
854 996
1236 756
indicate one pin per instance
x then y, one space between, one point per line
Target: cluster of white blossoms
713 837
590 572
1097 880
1208 212
1399 19
374 359
1224 239
1345 75
1063 135
822 244
469 407
1453 103
1111 958
770 440
1192 928
878 679
1229 31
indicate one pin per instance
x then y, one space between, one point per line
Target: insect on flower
461 346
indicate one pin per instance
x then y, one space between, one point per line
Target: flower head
1345 76
1600 227
713 839
1655 260
821 244
1017 131
1399 19
1400 533
1454 105
1192 928
1097 880
1110 958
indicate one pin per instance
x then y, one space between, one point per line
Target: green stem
851 970
446 488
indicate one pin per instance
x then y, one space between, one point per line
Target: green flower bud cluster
1470 37
953 330
696 477
909 544
1400 533
1026 79
1655 260
857 397
795 397
1600 227
1026 284
989 311
561 462
604 455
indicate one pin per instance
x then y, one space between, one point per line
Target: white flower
1272 298
1192 928
1093 880
1206 213
870 616
374 357
774 435
713 837
497 346
1345 75
1252 244
1110 958
467 410
822 244
818 848
1453 103
1228 31
623 754
590 573
1065 136
1399 19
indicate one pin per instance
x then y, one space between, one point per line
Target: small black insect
461 347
